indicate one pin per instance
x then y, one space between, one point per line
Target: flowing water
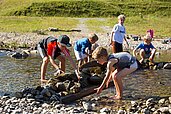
17 74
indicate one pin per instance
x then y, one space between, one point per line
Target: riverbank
28 105
14 40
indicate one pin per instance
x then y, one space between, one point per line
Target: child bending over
119 65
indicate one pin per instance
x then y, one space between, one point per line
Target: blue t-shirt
82 44
145 47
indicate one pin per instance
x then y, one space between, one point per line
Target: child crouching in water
119 65
147 50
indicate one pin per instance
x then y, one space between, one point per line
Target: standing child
80 47
118 34
147 50
119 65
51 48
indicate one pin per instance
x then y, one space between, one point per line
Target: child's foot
43 81
151 63
116 97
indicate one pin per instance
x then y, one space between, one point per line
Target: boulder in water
167 66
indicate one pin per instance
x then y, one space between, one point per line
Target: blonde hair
93 36
121 17
98 52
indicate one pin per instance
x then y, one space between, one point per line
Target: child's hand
78 75
58 71
99 90
79 78
150 58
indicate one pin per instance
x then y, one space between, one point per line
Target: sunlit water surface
17 74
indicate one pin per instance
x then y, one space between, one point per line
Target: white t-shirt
119 33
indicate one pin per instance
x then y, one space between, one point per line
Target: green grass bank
29 16
86 8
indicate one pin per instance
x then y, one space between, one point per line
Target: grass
29 24
138 25
96 25
84 8
134 25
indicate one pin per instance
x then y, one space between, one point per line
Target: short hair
147 37
98 52
93 36
121 17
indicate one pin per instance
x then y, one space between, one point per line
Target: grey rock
167 66
149 101
39 97
162 101
45 92
54 98
170 100
121 112
134 103
30 100
105 110
5 98
164 109
87 106
145 111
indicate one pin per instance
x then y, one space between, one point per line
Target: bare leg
115 82
152 55
113 47
142 55
118 81
110 78
43 68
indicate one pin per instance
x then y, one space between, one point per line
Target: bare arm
111 37
152 53
108 73
53 62
126 41
74 66
134 52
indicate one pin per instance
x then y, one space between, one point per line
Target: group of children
119 63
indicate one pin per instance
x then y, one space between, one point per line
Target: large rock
167 66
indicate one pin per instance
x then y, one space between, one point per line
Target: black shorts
117 47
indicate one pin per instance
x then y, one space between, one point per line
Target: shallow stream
17 74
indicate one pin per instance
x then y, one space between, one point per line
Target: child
93 47
50 49
80 48
147 50
119 65
118 34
